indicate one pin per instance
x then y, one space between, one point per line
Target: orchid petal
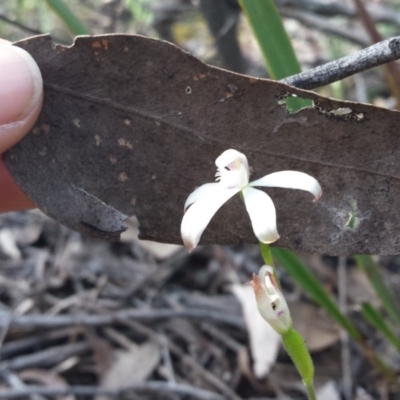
202 191
198 216
262 214
291 180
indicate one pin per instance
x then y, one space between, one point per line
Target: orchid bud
270 302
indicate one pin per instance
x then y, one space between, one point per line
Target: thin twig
149 387
370 57
167 360
187 360
392 73
51 356
18 346
310 20
220 336
16 383
336 8
209 377
57 321
29 29
20 26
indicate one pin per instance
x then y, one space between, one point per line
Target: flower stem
266 254
268 260
311 392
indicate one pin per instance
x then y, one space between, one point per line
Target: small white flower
233 177
270 302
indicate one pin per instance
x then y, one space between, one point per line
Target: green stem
298 352
268 260
266 254
311 392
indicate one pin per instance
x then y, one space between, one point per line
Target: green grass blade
372 271
271 35
302 275
280 58
374 317
72 22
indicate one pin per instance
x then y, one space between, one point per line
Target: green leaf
374 317
372 271
302 275
280 58
298 352
271 35
72 22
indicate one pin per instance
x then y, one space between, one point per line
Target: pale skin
21 97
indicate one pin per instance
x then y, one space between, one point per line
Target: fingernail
21 84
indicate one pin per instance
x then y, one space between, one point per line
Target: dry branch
19 25
57 321
148 387
335 8
46 357
370 57
311 20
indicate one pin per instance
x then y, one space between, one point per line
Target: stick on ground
370 57
154 387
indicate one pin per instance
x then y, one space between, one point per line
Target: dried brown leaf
131 125
317 328
131 366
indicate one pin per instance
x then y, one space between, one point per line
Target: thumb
21 94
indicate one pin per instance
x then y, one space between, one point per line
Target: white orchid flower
232 178
270 302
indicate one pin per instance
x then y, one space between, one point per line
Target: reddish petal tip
189 246
317 197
